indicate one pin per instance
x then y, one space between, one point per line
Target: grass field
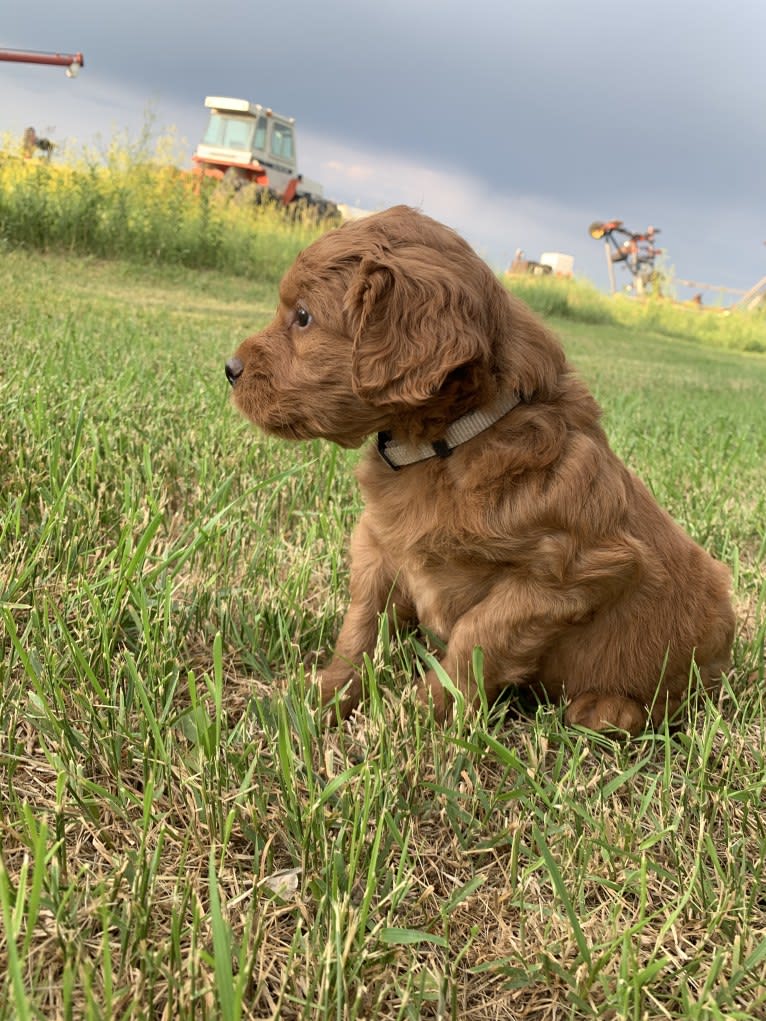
182 837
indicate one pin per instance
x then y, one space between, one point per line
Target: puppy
496 515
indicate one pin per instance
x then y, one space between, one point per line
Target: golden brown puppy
496 514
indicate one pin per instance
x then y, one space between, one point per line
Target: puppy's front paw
600 712
333 680
430 689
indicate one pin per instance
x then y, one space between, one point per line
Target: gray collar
399 455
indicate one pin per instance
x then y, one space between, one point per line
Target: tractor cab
256 143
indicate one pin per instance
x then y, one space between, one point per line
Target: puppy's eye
302 317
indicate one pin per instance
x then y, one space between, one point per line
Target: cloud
351 172
495 222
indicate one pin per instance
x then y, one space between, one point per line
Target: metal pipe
33 57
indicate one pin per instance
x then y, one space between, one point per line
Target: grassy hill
182 837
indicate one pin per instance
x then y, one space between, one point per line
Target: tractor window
260 134
282 141
229 132
214 130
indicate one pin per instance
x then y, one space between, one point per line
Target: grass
132 202
579 301
182 836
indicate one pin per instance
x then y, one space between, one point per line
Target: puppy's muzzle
234 368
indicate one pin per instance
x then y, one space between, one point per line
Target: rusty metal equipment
71 61
637 251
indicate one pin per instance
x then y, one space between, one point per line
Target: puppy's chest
434 562
441 591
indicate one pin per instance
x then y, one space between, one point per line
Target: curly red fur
532 540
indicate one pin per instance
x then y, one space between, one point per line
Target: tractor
250 149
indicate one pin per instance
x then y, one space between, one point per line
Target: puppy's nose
234 369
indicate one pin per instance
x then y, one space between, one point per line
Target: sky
517 123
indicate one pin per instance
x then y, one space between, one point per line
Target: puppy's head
384 319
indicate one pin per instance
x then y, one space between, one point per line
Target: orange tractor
251 149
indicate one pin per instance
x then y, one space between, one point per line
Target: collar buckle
384 438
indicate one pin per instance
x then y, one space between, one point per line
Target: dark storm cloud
654 111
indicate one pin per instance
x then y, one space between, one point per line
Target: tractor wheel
234 178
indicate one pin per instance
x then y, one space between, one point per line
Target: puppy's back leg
598 711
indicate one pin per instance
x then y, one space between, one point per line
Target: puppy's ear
412 322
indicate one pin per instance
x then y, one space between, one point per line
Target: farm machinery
637 251
252 150
71 61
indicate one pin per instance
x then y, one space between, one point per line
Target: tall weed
131 202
